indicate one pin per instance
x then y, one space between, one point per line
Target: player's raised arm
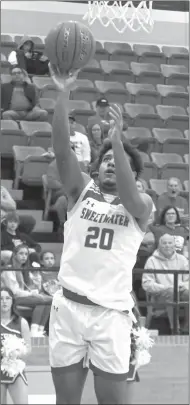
139 205
67 163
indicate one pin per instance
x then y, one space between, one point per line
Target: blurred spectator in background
18 281
95 136
161 286
80 143
26 222
59 201
19 99
172 197
27 58
102 116
50 281
12 237
170 223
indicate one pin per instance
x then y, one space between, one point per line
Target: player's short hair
136 160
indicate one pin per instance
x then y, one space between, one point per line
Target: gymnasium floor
163 381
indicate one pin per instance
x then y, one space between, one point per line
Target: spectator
95 136
80 143
26 222
18 281
25 57
13 324
19 99
11 237
58 198
161 286
102 116
172 197
170 223
50 282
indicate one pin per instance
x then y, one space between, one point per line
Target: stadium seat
120 51
33 169
17 195
171 140
20 153
186 133
173 116
161 159
7 183
5 78
85 90
38 133
11 135
173 95
3 57
48 104
159 186
176 55
45 86
82 111
115 92
175 75
141 135
143 93
186 185
101 53
36 214
116 71
7 44
149 54
92 71
5 67
147 73
186 158
47 195
142 115
170 165
149 171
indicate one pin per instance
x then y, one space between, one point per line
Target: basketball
69 46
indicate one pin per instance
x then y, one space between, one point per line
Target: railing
175 302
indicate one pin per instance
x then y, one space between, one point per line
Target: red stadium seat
173 95
5 78
149 54
48 104
147 73
141 135
46 87
186 185
176 55
170 140
5 67
142 115
10 135
101 53
7 44
186 133
170 165
114 92
120 51
143 93
186 158
92 71
161 159
3 57
38 133
173 116
116 71
85 90
175 75
82 110
20 153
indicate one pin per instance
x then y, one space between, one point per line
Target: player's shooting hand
116 124
63 82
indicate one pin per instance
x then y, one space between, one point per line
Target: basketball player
91 321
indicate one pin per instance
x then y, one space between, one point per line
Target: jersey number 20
99 238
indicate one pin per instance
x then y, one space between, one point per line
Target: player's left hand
63 82
116 124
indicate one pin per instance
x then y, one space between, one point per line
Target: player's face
6 301
107 176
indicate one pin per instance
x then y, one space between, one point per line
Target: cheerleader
13 324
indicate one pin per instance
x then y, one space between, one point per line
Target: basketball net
121 16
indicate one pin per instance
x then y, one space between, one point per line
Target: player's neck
108 190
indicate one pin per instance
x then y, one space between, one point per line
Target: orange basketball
70 45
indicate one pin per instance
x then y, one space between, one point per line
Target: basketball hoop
121 16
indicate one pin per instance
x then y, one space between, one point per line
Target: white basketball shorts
98 335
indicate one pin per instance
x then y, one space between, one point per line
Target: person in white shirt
80 143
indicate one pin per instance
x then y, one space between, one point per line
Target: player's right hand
63 82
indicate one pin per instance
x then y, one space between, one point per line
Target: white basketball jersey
101 241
